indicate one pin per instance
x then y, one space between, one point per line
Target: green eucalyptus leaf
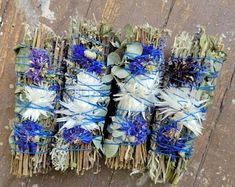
105 87
120 72
115 44
128 30
110 148
107 78
134 49
118 133
97 142
113 58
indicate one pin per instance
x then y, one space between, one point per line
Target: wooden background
213 162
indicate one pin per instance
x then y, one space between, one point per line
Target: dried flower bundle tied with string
37 88
196 62
138 70
191 74
85 98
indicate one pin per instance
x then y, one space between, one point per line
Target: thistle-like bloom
28 134
40 102
183 108
185 72
173 141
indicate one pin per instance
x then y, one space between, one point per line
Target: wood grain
213 162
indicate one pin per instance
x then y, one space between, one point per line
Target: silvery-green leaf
113 58
128 30
134 49
110 148
105 87
118 139
114 126
107 78
118 133
115 44
97 142
101 112
119 72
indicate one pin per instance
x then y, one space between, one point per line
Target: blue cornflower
136 67
147 49
169 142
96 67
147 61
77 52
38 58
77 135
86 63
54 87
136 127
25 133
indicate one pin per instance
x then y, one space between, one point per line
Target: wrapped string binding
137 70
191 73
85 98
37 90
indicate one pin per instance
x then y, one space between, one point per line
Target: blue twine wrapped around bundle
144 63
25 134
170 142
77 135
84 62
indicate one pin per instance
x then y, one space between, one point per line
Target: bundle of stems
38 83
191 75
85 97
138 71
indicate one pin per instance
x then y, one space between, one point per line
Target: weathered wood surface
213 162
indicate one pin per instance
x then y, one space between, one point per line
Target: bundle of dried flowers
138 72
85 98
191 74
38 82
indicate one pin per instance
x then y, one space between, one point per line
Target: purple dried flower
38 58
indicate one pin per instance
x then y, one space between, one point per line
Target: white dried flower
138 93
40 102
86 94
186 110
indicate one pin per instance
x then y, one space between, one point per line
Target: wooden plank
212 162
121 12
217 16
11 33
